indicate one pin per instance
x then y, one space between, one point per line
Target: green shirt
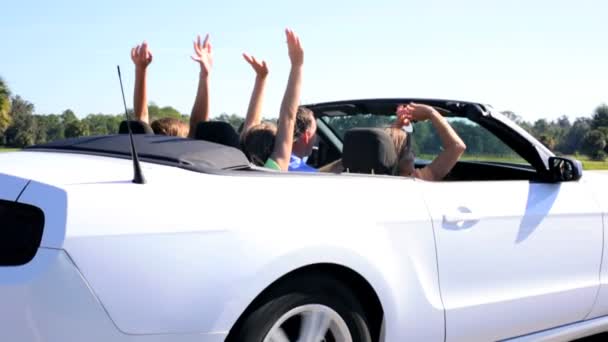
271 164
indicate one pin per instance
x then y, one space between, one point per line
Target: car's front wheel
306 308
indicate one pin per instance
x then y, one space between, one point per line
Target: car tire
322 296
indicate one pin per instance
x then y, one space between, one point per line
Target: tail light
21 227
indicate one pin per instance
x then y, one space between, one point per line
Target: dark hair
258 142
304 119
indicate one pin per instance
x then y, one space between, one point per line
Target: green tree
600 117
573 139
76 129
604 131
68 116
54 127
22 131
40 129
153 111
170 112
594 144
156 112
5 107
563 122
541 127
101 124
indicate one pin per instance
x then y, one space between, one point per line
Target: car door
598 181
514 256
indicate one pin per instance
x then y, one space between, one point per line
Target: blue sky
542 58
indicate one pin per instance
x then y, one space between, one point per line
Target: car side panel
48 300
598 185
11 186
194 264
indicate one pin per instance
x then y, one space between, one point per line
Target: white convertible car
211 248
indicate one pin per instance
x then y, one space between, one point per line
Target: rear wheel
305 308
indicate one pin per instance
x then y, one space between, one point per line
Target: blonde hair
399 138
258 142
170 126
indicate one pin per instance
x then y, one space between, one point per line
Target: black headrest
218 132
368 150
137 127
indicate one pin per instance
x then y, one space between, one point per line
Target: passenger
264 143
142 57
170 126
453 146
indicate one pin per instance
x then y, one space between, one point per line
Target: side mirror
564 169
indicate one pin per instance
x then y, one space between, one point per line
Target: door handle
460 217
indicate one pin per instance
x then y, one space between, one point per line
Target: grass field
5 149
593 165
587 164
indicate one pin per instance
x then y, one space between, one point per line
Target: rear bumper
49 300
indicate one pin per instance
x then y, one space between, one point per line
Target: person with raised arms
142 58
268 145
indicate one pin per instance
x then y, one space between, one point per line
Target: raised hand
453 146
202 54
260 67
254 111
414 112
289 106
296 53
402 117
141 55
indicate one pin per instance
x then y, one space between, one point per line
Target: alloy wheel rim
309 323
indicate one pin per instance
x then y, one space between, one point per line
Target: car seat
218 132
137 127
368 150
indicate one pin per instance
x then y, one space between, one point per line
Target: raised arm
200 109
453 146
289 106
254 112
141 57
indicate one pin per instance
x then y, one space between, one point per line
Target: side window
482 145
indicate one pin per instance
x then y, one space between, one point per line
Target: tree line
20 127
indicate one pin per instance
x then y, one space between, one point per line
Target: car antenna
138 177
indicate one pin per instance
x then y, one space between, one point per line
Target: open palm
203 54
260 67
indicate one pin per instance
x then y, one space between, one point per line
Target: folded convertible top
197 155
